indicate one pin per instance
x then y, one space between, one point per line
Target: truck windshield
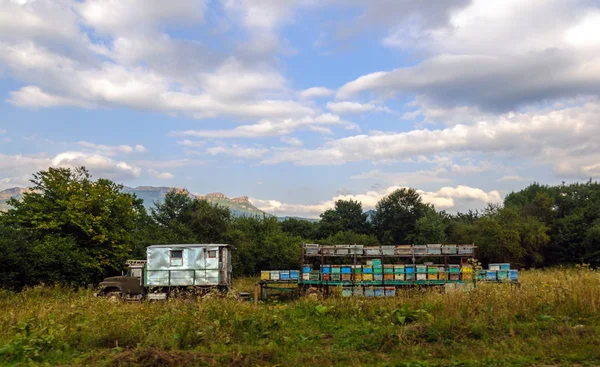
134 273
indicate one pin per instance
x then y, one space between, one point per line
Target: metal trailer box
188 265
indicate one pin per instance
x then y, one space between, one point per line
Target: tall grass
552 318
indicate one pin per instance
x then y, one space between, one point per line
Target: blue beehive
367 269
379 292
306 269
346 270
326 269
294 274
490 275
409 269
504 266
513 275
284 275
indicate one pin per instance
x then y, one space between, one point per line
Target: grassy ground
553 319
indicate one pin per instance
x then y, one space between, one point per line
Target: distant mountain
16 192
281 219
238 206
370 214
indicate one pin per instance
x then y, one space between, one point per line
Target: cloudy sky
297 103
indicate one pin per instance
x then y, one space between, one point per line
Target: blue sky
299 103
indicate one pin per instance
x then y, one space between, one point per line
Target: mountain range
240 206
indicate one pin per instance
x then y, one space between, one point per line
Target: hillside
239 206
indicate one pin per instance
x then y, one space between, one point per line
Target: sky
299 103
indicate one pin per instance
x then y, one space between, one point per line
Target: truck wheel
114 296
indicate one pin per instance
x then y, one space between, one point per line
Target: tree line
72 229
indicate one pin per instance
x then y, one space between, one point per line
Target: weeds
552 318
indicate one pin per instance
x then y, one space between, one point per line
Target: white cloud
316 92
238 151
443 199
160 175
191 144
98 165
347 107
266 128
406 178
116 17
112 150
175 163
513 178
290 140
563 138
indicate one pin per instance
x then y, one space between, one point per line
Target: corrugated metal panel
188 265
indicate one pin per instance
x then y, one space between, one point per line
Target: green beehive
421 268
399 269
388 269
377 269
432 269
336 269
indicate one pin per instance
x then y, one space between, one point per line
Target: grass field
553 319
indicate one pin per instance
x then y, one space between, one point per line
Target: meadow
552 319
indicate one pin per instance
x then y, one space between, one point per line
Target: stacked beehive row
398 250
374 270
280 275
499 272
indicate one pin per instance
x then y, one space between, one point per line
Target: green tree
430 228
396 216
347 215
83 223
300 228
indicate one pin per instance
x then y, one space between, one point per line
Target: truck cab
129 286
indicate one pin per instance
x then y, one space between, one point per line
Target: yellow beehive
388 276
358 277
432 276
265 275
442 276
467 276
466 269
367 277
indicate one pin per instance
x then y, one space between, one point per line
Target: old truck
185 269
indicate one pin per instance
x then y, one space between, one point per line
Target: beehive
388 250
372 250
399 276
275 275
434 249
390 291
449 250
388 276
421 276
369 292
265 275
367 277
398 269
403 250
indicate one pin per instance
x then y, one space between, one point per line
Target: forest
73 229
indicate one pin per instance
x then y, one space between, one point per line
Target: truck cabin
135 268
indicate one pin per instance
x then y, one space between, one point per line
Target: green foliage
300 228
349 237
551 320
71 219
347 215
395 220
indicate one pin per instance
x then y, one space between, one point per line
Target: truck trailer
185 269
